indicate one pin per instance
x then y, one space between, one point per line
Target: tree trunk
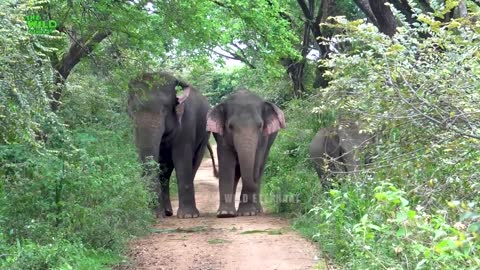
364 6
386 21
79 48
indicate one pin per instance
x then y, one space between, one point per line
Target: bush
416 206
71 191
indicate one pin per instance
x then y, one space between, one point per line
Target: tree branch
364 6
306 12
235 56
78 50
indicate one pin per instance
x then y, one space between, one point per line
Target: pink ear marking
213 125
281 117
275 123
184 96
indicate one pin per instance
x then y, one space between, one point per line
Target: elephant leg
248 202
258 180
198 155
166 170
227 183
183 160
249 199
261 157
235 180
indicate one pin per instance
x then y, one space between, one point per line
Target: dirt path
210 243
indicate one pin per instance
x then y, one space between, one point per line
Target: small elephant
171 129
244 126
339 149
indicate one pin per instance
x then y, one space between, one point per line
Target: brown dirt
211 243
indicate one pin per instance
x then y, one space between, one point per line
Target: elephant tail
215 171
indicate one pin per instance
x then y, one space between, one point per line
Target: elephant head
345 145
155 109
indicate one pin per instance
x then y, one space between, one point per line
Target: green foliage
71 191
283 190
416 206
380 229
58 255
215 84
26 79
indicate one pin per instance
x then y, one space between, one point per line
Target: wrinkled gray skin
172 130
244 126
343 145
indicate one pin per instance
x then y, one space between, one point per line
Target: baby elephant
244 126
339 149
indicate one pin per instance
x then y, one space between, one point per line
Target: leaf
401 232
474 227
445 245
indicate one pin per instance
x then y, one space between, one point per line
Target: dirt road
210 243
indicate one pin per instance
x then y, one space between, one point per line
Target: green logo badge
38 26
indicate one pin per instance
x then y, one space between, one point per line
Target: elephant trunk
246 147
148 136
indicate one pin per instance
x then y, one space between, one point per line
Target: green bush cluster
71 189
417 205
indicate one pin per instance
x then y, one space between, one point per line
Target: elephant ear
273 119
180 107
131 103
215 119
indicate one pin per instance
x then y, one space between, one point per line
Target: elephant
172 130
215 171
339 149
245 127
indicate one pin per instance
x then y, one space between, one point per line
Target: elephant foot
159 213
168 209
247 209
188 212
259 208
168 212
226 212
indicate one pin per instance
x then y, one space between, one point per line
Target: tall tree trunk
364 6
386 21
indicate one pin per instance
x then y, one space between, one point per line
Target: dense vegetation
71 189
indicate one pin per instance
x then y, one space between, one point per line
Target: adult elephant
338 149
244 126
171 129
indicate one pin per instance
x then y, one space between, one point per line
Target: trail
211 243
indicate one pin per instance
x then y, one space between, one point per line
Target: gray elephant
244 126
338 149
171 129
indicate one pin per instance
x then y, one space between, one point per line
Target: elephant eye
259 125
230 126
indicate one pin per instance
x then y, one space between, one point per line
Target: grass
218 241
267 231
182 230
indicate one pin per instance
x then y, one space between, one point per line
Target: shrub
416 206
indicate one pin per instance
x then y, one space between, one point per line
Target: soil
211 243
